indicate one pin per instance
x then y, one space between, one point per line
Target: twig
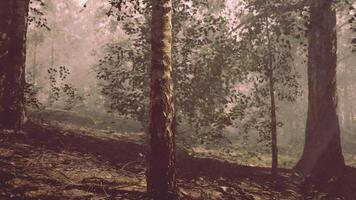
66 177
131 162
279 11
104 189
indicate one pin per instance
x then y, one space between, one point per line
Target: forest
177 99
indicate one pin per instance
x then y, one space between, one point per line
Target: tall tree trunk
34 65
351 115
347 109
273 105
13 28
322 156
273 125
51 96
161 178
52 51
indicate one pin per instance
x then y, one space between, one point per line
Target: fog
238 118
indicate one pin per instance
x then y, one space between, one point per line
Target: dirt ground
47 162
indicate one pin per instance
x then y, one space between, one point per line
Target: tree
345 67
13 28
273 119
205 71
322 156
36 38
161 177
267 47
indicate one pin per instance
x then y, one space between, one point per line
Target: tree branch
278 11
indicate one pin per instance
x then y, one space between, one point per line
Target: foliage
203 64
31 99
352 23
59 89
36 14
278 36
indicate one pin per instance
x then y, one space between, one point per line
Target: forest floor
48 162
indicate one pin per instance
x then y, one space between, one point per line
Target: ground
51 162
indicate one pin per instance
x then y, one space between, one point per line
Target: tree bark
13 28
322 156
34 65
347 109
346 106
52 50
161 178
273 123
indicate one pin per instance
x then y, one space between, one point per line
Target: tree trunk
52 51
161 178
273 126
273 105
13 28
34 70
346 111
322 156
351 115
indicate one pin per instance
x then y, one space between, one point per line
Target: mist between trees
257 83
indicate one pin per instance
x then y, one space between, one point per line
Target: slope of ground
47 162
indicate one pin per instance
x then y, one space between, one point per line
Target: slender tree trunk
347 109
351 115
161 178
51 96
13 28
273 105
273 126
34 71
52 51
322 156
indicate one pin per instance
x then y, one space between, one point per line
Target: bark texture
273 123
322 157
273 127
13 28
34 65
161 178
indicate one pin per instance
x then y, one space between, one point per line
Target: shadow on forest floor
47 162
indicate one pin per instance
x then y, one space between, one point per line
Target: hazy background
78 37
